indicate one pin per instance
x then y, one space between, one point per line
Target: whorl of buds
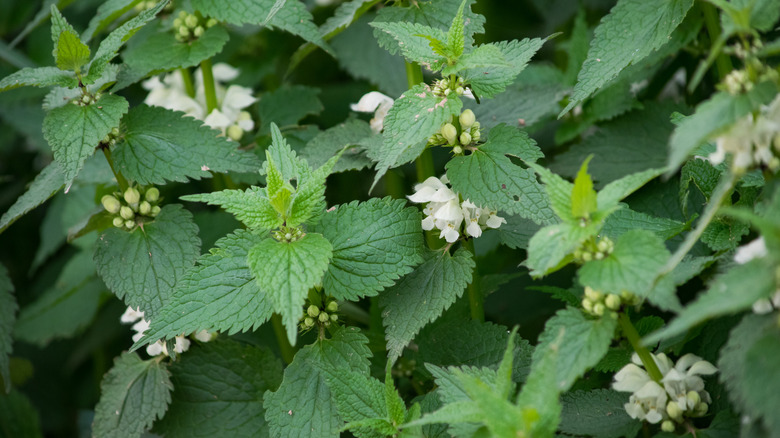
189 27
598 304
323 314
128 208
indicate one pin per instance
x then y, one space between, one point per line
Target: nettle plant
621 280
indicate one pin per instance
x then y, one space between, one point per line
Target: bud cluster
449 135
320 315
86 99
592 250
598 303
189 27
149 4
288 234
110 138
129 207
443 87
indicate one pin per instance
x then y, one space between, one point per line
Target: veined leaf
72 54
43 187
250 206
38 77
8 308
583 197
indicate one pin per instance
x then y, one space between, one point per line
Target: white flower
753 250
493 220
131 315
684 377
750 139
203 336
377 103
141 325
766 305
449 233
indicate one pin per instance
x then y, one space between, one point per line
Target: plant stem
633 337
123 185
209 86
186 77
281 339
476 299
414 74
722 62
394 185
424 163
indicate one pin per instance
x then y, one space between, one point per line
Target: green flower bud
334 317
198 31
459 91
323 317
126 212
693 397
701 409
177 23
145 208
211 22
449 132
111 204
191 21
332 307
593 294
599 309
587 256
183 14
603 245
86 100
132 196
457 150
447 91
155 211
119 222
313 311
465 138
152 194
587 305
674 411
235 132
598 255
613 301
308 322
667 426
184 31
129 225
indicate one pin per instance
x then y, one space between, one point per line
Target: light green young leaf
538 401
309 199
231 406
632 31
74 131
286 271
133 395
582 343
8 308
143 266
754 280
455 37
488 177
250 206
38 77
219 294
583 197
551 247
59 25
374 244
396 408
624 220
493 78
558 191
486 56
43 187
598 412
158 144
421 296
612 193
304 400
417 42
72 54
414 117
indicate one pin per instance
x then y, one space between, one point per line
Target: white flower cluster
756 250
445 212
377 103
682 394
140 325
751 140
228 117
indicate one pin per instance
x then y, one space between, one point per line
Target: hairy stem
186 77
123 185
281 339
209 86
711 21
644 355
476 299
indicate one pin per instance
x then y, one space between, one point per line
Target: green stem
414 74
123 185
281 339
209 86
424 165
394 185
476 299
711 21
186 77
633 337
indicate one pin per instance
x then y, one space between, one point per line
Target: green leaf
287 270
374 244
18 416
38 77
133 395
713 117
624 220
59 25
485 57
417 42
583 342
598 413
143 266
538 401
304 400
308 203
612 193
43 187
327 144
72 54
358 397
219 391
250 206
107 13
292 16
219 294
65 308
396 408
550 248
583 197
488 177
517 231
494 77
414 117
455 38
8 308
754 280
632 266
421 296
632 31
287 105
74 131
159 144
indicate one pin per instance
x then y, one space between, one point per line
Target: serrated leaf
18 416
107 13
59 25
133 395
417 42
414 117
455 37
8 308
304 402
308 203
219 391
358 397
219 294
538 401
583 197
633 30
517 231
327 144
38 77
492 79
612 193
598 413
754 280
43 187
158 144
286 271
72 54
583 342
74 131
374 244
624 220
143 266
292 16
488 177
712 117
250 206
486 56
550 248
421 296
522 105
396 408
287 105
